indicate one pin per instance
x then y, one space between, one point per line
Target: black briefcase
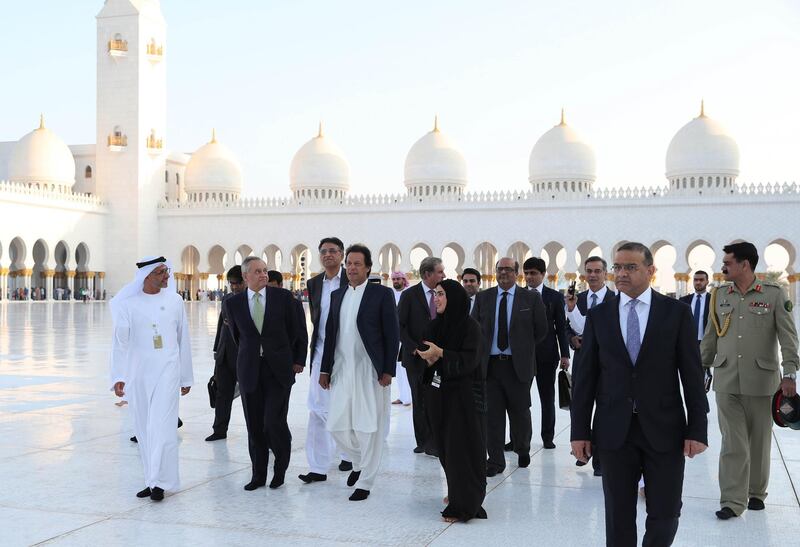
564 390
212 392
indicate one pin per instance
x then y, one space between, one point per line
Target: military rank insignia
761 305
788 306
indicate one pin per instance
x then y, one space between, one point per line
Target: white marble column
101 277
3 283
71 283
49 286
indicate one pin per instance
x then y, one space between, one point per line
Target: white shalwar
320 446
359 404
153 376
403 387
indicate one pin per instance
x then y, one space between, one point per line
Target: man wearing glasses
320 446
225 351
513 321
639 352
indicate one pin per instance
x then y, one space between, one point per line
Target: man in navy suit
272 349
700 302
553 350
362 339
638 351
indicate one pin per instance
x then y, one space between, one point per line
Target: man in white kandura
151 362
361 342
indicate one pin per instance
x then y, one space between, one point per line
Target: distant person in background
400 284
471 280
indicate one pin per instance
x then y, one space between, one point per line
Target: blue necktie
634 340
697 314
594 300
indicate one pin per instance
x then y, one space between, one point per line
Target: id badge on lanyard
158 343
437 380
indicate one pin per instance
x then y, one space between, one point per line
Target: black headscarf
449 328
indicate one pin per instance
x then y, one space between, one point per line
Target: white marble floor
69 473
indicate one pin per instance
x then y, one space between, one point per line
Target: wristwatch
791 375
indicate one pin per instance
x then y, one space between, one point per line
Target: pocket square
525 309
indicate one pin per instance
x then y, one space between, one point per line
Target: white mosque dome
435 160
702 147
41 157
319 166
561 155
213 170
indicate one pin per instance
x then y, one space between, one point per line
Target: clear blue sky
629 73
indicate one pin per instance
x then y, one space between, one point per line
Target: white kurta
359 404
153 377
401 379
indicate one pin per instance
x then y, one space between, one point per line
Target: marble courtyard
69 472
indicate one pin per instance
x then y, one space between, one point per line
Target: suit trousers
745 422
505 393
225 376
663 478
422 430
265 411
546 385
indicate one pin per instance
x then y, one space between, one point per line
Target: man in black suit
638 351
225 352
272 349
513 320
553 350
415 310
700 302
320 446
595 268
362 337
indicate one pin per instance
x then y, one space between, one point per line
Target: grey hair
638 248
516 264
246 263
428 265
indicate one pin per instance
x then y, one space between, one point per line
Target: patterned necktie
697 313
432 305
258 311
502 323
634 340
594 301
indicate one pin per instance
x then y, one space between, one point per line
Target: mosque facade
78 216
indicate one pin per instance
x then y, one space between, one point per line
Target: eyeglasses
324 252
616 268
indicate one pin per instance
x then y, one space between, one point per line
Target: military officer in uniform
747 320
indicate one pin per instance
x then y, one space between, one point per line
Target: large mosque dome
319 170
561 161
702 155
213 173
435 166
41 157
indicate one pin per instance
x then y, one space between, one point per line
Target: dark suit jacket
527 329
414 314
315 304
689 299
668 360
583 306
282 340
377 326
225 349
555 345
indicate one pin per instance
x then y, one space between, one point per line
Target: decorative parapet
48 197
479 198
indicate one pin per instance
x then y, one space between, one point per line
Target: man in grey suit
512 321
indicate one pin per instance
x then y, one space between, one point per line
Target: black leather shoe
431 452
157 494
508 447
345 465
277 481
144 493
491 471
419 450
217 436
180 422
310 477
359 495
253 484
353 478
134 440
549 445
524 460
725 513
755 504
580 463
597 473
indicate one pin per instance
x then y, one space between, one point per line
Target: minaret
131 120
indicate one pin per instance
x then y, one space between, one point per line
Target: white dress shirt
328 286
509 303
576 319
642 311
